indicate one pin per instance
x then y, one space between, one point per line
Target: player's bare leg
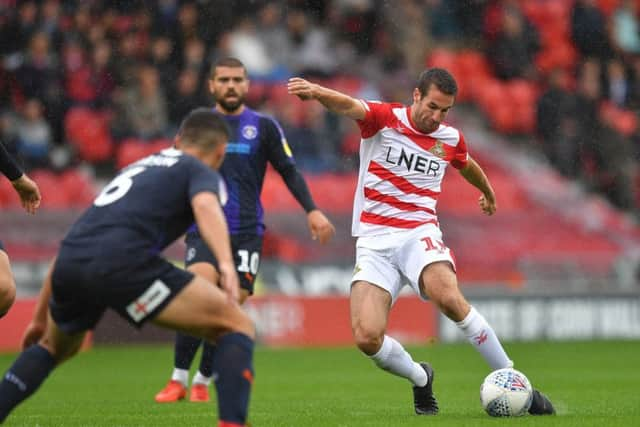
370 305
34 364
7 284
439 282
203 310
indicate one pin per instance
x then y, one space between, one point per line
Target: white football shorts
393 260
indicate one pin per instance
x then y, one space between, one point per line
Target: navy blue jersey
142 210
255 140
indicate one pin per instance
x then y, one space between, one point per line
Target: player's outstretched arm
474 174
213 229
29 193
321 228
337 102
35 329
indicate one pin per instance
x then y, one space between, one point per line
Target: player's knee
367 339
236 321
7 294
246 326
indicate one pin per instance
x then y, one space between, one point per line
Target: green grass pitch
591 384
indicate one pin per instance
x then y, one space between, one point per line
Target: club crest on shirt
287 149
438 149
249 132
191 254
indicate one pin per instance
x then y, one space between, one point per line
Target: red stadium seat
490 94
8 197
131 150
161 144
79 188
444 58
88 131
54 195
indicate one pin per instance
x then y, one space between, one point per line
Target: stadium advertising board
556 318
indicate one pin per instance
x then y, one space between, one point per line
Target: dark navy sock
24 377
233 362
185 349
206 361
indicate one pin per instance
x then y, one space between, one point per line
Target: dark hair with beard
440 78
227 62
203 128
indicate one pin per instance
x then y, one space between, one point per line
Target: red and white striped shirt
401 170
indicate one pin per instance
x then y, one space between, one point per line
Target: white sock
482 336
180 375
392 357
198 378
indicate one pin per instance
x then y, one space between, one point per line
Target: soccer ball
506 393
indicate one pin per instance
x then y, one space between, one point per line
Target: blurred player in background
30 199
404 152
111 259
255 141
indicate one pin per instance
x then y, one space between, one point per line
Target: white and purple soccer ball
506 393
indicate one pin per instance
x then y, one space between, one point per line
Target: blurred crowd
580 62
80 79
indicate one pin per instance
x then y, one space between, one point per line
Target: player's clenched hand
301 88
28 192
32 334
321 228
229 280
487 204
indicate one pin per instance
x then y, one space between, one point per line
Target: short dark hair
227 61
441 78
203 128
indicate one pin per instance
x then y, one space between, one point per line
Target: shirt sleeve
461 155
281 157
377 116
204 179
8 166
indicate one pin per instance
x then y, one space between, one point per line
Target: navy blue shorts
247 251
81 292
1 246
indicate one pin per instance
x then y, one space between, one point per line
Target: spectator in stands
358 23
19 29
589 30
405 22
625 28
556 127
40 77
33 135
78 74
617 89
442 20
187 94
143 107
246 45
513 51
51 13
102 72
634 82
270 29
126 59
308 46
194 56
161 51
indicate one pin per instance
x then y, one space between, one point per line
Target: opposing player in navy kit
255 141
30 199
111 259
